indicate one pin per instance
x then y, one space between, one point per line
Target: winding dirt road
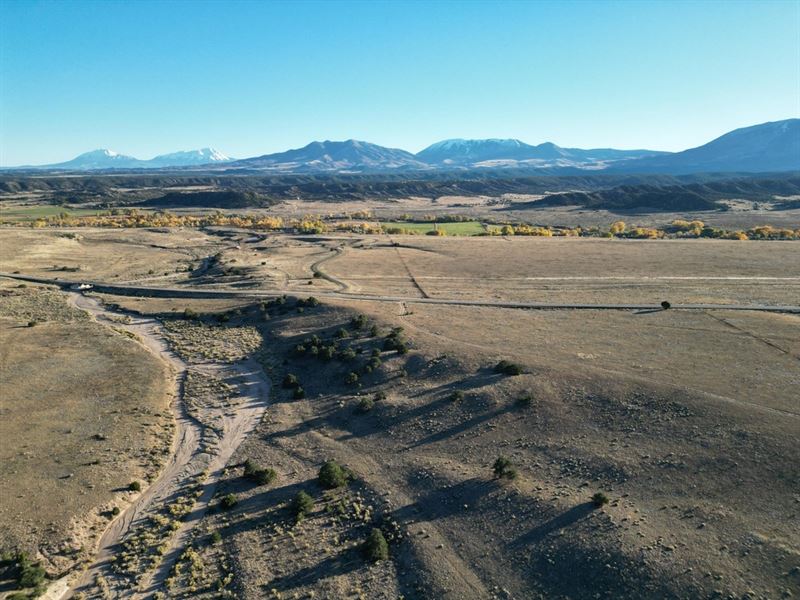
197 292
197 449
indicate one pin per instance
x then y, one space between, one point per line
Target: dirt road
196 292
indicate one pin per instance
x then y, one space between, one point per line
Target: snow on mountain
349 155
515 153
462 152
203 156
102 158
766 147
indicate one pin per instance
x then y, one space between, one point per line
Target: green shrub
524 401
135 486
366 405
229 501
341 334
375 547
31 575
250 467
332 475
259 475
347 354
299 350
301 505
375 353
395 343
456 396
299 393
115 511
507 368
359 322
599 499
216 538
32 323
327 353
504 469
380 396
351 378
189 314
373 331
265 476
290 381
310 301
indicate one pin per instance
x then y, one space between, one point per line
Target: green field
464 228
21 212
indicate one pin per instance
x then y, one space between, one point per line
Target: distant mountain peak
771 146
185 158
468 152
105 158
100 152
329 155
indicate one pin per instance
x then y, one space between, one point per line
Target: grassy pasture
27 212
464 228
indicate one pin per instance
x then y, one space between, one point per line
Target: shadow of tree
462 426
480 379
570 517
333 566
446 501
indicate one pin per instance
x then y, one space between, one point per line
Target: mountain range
109 159
768 147
350 155
498 153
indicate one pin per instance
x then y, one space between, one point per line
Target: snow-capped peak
190 157
101 152
214 155
468 144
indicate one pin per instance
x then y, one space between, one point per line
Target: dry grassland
102 254
695 450
686 420
84 413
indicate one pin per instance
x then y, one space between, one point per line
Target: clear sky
249 78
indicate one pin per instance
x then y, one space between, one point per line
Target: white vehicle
81 287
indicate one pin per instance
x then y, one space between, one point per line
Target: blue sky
250 78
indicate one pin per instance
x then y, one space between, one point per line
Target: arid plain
685 420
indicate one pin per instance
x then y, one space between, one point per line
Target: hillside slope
761 148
